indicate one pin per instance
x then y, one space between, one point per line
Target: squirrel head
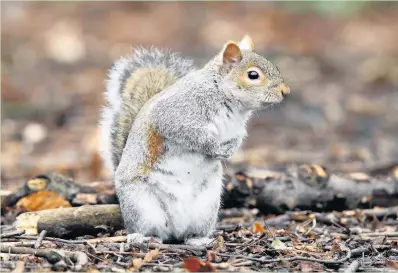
254 80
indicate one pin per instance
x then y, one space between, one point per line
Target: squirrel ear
231 53
246 43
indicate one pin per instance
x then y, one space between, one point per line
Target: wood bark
71 222
270 191
275 193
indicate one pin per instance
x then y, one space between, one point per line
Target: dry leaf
220 244
19 267
137 264
43 200
258 228
212 257
277 244
85 198
192 264
37 184
393 264
257 249
150 255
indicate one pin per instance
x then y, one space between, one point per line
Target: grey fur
198 120
125 109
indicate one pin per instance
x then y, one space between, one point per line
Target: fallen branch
40 239
71 222
51 255
27 237
315 191
12 234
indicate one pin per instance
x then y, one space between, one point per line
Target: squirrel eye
253 75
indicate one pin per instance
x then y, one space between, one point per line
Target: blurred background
339 58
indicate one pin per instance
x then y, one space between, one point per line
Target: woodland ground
342 115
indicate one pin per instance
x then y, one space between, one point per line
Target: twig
296 258
376 234
394 251
353 267
243 263
51 255
94 256
232 227
380 212
155 264
116 239
25 244
359 251
53 239
13 233
40 239
177 247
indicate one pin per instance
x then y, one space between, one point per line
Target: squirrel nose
284 89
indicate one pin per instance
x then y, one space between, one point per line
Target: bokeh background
339 58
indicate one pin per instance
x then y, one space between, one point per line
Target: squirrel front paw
226 149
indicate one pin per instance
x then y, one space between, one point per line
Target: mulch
355 240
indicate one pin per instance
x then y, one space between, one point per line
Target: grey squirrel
167 125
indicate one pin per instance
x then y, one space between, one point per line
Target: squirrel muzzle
284 89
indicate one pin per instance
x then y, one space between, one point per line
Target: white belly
196 186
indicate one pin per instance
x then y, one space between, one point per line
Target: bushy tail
132 81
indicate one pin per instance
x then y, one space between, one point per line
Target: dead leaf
137 264
43 200
313 174
37 184
258 228
193 264
220 245
308 247
257 249
85 198
393 264
212 257
19 267
277 244
150 255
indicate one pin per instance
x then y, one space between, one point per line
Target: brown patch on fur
155 149
140 87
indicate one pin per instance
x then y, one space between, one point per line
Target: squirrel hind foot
138 238
204 241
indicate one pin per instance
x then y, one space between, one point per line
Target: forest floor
336 136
